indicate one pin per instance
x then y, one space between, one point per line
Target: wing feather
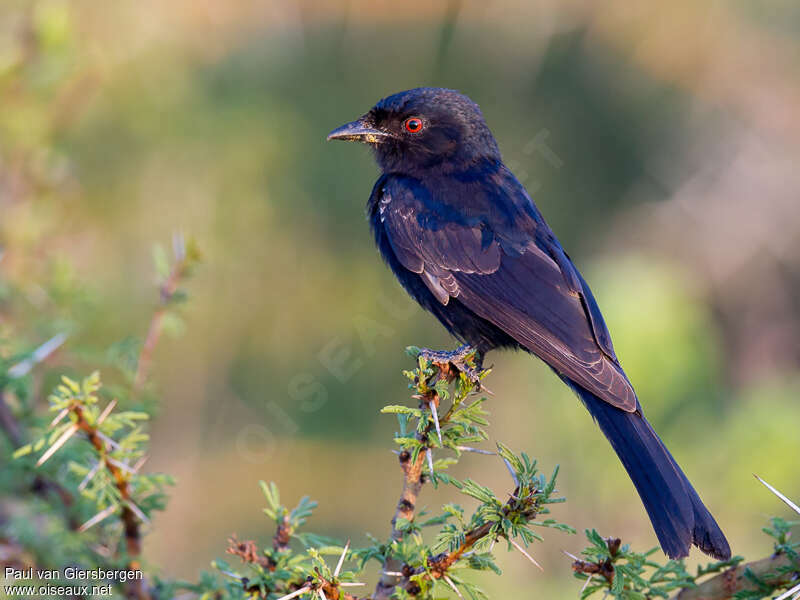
530 290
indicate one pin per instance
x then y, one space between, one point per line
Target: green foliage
430 565
50 70
780 530
84 501
278 570
620 572
116 443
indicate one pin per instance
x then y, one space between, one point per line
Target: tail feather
706 534
679 517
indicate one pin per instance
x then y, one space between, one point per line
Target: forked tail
679 517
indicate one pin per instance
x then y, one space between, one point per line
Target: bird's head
423 128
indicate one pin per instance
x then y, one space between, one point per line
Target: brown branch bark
730 581
406 506
441 563
412 484
135 589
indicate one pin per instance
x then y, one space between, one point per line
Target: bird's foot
465 359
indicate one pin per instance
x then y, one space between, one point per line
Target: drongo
467 242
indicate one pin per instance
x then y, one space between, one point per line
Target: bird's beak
358 131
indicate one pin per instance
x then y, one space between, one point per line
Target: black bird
467 242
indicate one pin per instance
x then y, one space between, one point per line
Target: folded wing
526 286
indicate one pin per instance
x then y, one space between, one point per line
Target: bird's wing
522 283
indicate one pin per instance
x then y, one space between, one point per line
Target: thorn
571 555
452 585
791 504
106 411
525 554
511 471
435 415
137 511
102 550
429 454
97 518
294 594
351 584
397 452
90 475
790 592
121 465
111 443
341 559
41 353
475 450
68 433
58 418
585 585
321 594
229 574
393 573
178 246
140 463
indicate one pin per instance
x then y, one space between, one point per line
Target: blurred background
661 142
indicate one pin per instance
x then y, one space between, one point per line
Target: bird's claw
460 358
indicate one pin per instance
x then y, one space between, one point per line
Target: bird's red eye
413 125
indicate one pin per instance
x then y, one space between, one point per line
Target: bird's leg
460 359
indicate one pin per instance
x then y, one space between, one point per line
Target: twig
393 571
167 292
248 552
438 566
283 534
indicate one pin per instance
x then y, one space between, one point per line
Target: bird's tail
679 517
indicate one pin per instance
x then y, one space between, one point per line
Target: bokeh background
660 140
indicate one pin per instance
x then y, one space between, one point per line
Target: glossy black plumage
467 242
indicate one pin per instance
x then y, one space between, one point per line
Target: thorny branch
131 521
603 568
765 575
394 572
774 571
413 479
249 553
